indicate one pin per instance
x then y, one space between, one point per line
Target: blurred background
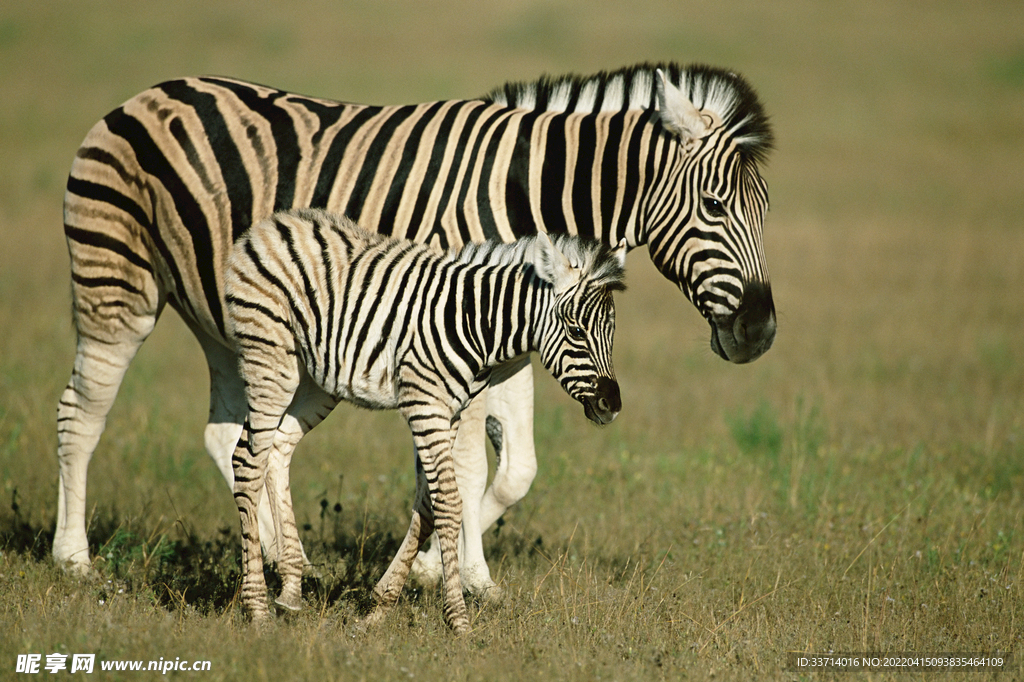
895 237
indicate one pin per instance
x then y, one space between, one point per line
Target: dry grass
857 489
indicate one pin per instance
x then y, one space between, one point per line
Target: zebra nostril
739 329
603 404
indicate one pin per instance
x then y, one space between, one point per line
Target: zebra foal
311 298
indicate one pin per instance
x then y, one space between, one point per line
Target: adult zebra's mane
595 259
725 93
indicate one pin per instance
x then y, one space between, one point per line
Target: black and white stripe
389 324
162 186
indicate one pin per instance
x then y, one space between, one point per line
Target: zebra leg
290 557
508 422
435 453
309 407
116 301
447 506
270 370
510 428
223 429
426 567
433 434
249 475
389 587
470 456
99 368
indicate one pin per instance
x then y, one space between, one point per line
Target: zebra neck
589 174
509 308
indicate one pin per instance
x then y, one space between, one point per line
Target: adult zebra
314 301
162 186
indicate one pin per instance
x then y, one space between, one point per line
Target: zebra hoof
372 619
459 625
289 604
489 594
78 569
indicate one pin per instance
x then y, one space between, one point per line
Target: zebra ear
677 113
553 266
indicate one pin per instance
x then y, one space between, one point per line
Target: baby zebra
390 324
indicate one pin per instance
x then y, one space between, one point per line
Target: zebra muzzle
605 404
749 332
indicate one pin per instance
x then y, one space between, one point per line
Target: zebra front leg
509 425
447 521
433 428
469 453
510 428
435 452
470 457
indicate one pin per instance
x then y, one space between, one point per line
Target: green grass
856 489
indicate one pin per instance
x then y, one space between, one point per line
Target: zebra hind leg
309 407
223 429
254 451
250 471
99 368
389 587
272 377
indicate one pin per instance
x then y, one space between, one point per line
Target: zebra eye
575 332
713 207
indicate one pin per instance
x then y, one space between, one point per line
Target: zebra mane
725 93
599 265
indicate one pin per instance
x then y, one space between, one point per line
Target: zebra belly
374 387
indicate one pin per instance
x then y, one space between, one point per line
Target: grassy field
858 489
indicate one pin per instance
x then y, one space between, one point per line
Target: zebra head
576 340
705 215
